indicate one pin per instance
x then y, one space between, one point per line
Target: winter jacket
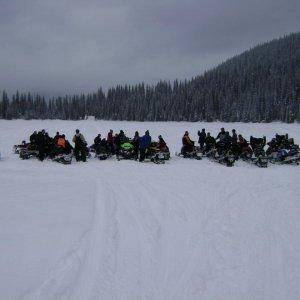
202 136
97 140
33 138
79 140
61 143
221 135
145 141
209 140
162 145
186 141
234 138
243 143
110 138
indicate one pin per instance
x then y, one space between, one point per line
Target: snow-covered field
124 230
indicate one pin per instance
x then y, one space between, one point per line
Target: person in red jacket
188 144
245 149
111 141
162 144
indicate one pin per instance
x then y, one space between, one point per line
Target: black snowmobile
65 159
258 157
102 152
225 158
27 152
193 153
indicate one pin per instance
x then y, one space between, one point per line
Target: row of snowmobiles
128 151
281 150
28 151
102 151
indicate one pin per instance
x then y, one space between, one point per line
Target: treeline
260 85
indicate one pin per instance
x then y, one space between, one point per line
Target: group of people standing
48 146
140 144
222 143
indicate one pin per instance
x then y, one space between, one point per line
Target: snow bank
124 230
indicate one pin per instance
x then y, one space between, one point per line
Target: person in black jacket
221 135
210 142
234 137
57 136
33 138
97 142
119 140
80 146
41 144
49 145
136 144
202 136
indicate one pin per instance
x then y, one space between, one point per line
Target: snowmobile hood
127 146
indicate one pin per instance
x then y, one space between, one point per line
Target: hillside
260 85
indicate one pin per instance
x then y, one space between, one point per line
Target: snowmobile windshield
127 146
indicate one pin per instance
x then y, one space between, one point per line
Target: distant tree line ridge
260 85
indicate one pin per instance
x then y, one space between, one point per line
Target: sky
57 47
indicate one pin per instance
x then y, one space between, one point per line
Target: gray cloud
63 46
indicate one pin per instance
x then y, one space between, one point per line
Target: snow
125 230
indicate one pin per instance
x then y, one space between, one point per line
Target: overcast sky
68 46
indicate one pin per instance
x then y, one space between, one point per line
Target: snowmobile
28 152
156 155
18 148
258 155
103 152
286 156
92 149
194 153
283 150
126 151
65 159
222 157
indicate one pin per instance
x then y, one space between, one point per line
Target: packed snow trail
124 230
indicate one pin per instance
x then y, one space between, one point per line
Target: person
224 143
122 136
49 145
33 138
97 142
227 140
187 143
235 149
257 145
110 141
145 142
56 137
245 150
210 142
63 145
119 140
221 135
162 145
136 144
234 137
202 136
40 142
80 146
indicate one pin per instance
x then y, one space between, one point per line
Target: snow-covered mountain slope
124 230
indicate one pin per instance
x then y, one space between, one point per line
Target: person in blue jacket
145 142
